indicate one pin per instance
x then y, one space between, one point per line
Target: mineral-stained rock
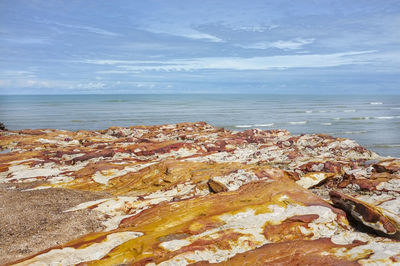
391 166
219 225
192 193
300 252
370 215
216 186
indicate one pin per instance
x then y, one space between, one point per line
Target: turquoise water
373 121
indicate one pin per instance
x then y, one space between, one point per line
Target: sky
207 46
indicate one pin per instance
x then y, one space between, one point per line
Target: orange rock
234 221
391 166
158 206
300 252
371 216
216 186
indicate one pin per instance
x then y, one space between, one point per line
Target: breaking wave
298 123
255 125
353 132
243 126
384 117
264 125
387 146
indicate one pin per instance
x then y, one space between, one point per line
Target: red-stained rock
368 214
300 252
187 192
390 166
91 155
327 166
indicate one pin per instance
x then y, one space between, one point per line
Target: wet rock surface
191 193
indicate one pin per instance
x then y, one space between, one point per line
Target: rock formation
2 127
191 193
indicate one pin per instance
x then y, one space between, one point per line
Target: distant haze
208 46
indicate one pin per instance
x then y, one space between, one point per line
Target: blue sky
191 46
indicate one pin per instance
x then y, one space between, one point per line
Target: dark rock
3 127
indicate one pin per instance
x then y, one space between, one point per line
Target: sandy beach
35 220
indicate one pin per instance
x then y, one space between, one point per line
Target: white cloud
254 28
50 84
27 40
239 63
81 27
90 85
144 85
75 85
17 74
293 44
183 32
113 72
31 83
196 35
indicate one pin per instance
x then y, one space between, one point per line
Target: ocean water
373 120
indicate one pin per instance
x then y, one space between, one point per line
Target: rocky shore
192 193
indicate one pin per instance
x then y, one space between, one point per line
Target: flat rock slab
370 215
192 193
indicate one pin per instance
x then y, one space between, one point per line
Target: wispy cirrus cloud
86 28
27 40
293 44
44 44
16 73
239 63
39 83
253 28
184 32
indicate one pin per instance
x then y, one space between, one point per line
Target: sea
372 120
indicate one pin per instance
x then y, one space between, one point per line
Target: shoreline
126 185
370 120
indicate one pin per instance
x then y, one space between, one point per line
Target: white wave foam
337 118
375 103
326 124
323 111
384 117
298 123
264 125
308 112
240 126
385 145
349 111
353 132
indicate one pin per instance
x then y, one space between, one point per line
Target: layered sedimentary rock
191 193
371 215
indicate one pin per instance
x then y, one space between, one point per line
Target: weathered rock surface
372 216
191 193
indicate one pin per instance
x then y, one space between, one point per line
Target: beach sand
35 220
